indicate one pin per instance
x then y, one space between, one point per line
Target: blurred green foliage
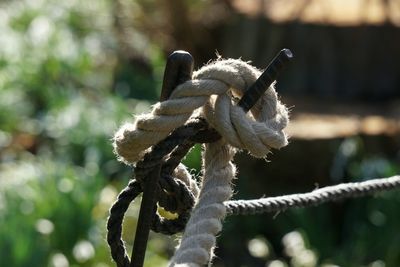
58 112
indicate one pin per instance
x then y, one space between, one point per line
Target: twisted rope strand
205 223
314 198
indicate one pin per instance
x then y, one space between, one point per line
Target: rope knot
210 93
258 131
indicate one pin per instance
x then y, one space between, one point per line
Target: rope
114 223
152 141
314 198
257 132
204 224
210 94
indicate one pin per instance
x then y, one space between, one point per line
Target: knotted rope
257 132
210 95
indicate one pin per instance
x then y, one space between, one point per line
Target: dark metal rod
178 70
270 74
145 218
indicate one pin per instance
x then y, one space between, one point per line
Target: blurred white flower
276 263
108 195
377 263
305 258
59 260
258 248
65 185
40 30
83 251
44 226
293 243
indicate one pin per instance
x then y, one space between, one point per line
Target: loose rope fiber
209 94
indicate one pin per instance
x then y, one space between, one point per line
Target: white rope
199 237
209 93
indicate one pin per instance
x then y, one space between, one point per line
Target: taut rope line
314 198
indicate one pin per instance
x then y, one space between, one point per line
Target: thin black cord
314 198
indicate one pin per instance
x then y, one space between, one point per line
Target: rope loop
114 223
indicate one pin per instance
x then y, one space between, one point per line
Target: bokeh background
72 71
